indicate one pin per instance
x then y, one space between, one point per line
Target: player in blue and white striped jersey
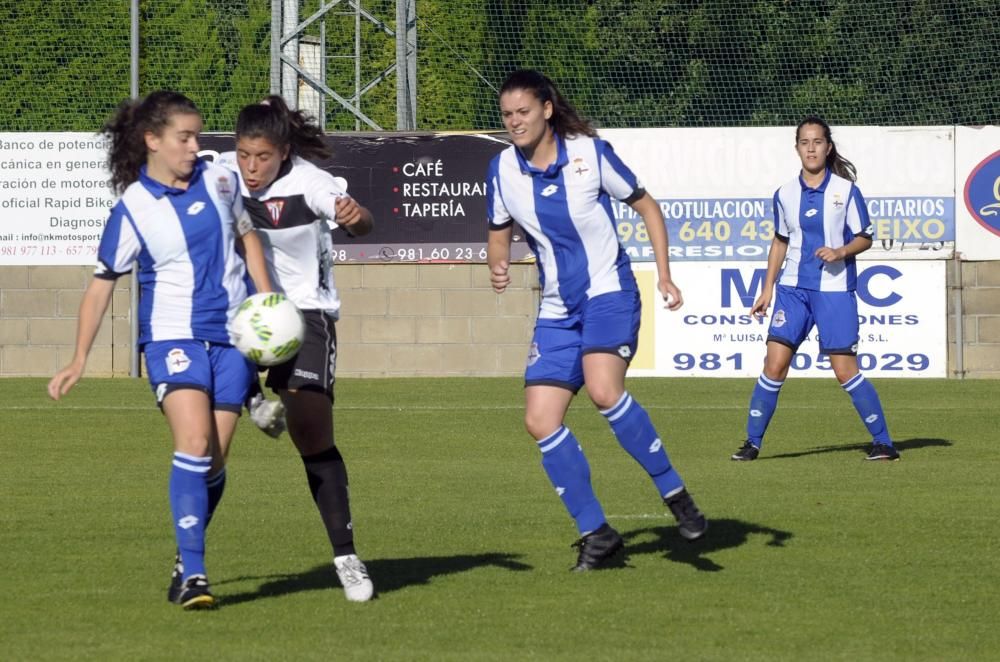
557 181
180 220
822 224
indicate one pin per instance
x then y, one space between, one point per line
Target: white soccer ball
268 329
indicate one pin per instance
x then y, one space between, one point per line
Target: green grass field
812 553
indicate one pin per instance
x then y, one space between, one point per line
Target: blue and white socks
869 407
763 402
635 432
189 505
569 472
216 486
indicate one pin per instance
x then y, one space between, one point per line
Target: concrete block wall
433 320
401 320
398 320
980 297
38 311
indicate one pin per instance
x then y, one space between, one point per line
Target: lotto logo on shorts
177 361
779 319
624 351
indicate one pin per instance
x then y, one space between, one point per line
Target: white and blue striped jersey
191 279
831 214
566 212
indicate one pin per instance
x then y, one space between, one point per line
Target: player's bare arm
354 218
857 245
92 308
651 215
498 258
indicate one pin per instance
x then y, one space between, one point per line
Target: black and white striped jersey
294 217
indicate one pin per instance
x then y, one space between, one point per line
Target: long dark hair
836 163
127 128
273 120
565 121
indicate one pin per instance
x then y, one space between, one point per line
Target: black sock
328 483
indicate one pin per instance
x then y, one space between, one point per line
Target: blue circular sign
982 193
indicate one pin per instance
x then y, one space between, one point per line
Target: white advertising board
54 197
901 308
715 187
977 186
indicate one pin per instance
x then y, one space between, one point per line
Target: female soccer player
291 202
180 219
556 181
821 224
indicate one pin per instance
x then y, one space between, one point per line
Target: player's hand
64 380
348 211
760 306
499 277
672 299
829 255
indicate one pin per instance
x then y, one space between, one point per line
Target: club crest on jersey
222 186
779 319
177 361
274 208
837 202
579 167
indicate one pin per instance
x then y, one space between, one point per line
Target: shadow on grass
388 574
722 534
861 449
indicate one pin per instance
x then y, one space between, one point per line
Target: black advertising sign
427 193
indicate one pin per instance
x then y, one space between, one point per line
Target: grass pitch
812 553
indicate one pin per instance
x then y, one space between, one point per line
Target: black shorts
314 366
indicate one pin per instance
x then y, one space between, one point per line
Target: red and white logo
274 208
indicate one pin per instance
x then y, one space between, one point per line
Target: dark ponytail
127 128
565 121
836 163
273 120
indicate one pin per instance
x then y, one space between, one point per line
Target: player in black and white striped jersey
294 205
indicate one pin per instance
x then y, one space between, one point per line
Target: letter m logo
732 279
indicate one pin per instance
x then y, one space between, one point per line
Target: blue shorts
608 323
218 370
835 314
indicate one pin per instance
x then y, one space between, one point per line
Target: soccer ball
268 329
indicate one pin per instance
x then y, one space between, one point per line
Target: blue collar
159 189
561 160
821 188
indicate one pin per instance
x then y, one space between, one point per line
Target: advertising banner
54 197
715 187
977 184
901 310
427 192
